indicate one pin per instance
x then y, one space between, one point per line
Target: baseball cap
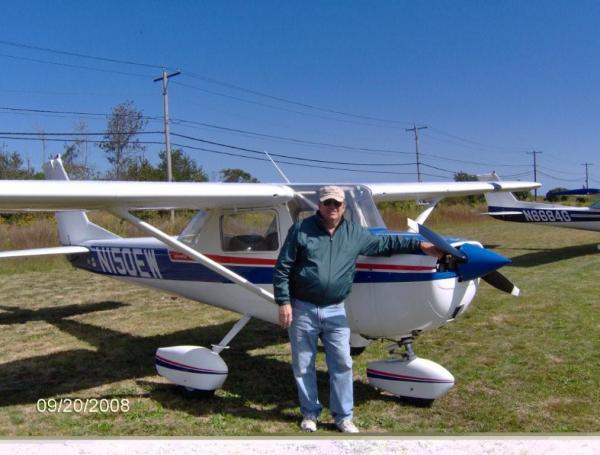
331 192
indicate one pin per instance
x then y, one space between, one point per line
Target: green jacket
319 268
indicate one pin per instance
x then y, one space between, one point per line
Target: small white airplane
506 207
226 254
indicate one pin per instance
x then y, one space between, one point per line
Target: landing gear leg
200 371
407 344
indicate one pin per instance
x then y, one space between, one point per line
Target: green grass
528 364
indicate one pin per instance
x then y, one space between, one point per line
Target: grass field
528 364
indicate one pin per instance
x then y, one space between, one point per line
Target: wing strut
432 204
224 344
204 260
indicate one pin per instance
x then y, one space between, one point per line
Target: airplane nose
480 262
471 261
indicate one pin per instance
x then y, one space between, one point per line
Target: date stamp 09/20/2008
82 405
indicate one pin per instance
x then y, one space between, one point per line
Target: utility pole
416 129
534 153
165 78
587 183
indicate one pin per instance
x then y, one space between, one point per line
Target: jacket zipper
329 268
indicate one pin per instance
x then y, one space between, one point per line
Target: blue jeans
310 322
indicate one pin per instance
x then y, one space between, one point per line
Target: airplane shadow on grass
263 380
548 255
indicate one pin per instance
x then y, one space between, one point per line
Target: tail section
73 227
498 198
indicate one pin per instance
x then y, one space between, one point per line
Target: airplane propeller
471 261
499 281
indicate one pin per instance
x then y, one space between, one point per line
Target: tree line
124 153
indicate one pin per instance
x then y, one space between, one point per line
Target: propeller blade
499 281
437 240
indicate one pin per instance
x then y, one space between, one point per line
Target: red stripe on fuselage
176 256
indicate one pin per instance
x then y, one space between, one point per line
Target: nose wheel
414 380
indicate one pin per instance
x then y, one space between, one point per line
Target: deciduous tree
235 175
120 140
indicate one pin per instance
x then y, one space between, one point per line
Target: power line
18 134
302 163
75 54
471 162
290 139
36 137
29 133
288 101
292 163
223 128
187 73
69 65
522 174
19 109
556 170
470 141
438 168
558 178
280 108
183 136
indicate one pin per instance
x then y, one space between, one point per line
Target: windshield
191 234
360 207
596 205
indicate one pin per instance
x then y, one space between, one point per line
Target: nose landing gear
417 381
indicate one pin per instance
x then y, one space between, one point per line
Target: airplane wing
437 190
55 195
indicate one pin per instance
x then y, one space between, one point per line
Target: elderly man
313 276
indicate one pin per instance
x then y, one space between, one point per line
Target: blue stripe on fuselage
544 214
155 263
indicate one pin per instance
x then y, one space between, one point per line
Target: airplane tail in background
498 198
73 227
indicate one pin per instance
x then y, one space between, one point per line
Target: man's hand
285 315
431 250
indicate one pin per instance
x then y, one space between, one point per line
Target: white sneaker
346 426
309 424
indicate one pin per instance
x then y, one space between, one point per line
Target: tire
358 350
189 392
418 402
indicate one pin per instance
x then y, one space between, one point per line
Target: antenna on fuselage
301 196
277 167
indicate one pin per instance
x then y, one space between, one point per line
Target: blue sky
491 80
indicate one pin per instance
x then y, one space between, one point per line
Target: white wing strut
425 213
204 260
44 251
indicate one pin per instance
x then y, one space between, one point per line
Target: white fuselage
391 297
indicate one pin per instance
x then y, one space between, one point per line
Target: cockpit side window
253 230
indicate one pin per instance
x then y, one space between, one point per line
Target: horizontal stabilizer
44 251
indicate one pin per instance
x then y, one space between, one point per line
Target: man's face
332 211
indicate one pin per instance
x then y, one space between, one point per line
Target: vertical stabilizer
73 227
497 198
